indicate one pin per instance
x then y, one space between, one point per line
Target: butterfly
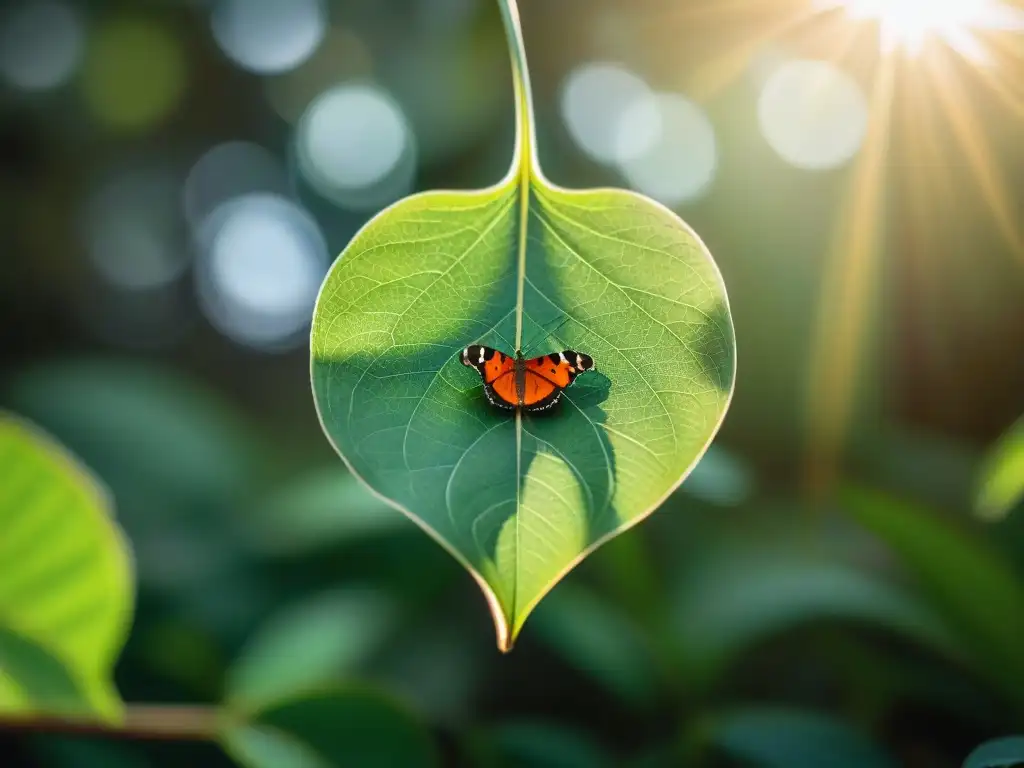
533 384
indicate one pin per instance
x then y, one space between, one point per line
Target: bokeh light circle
341 56
226 171
355 147
269 36
681 155
132 230
134 73
813 114
594 99
263 260
41 44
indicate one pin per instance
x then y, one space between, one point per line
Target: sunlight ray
850 273
972 141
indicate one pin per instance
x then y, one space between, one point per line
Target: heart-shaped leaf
65 580
519 498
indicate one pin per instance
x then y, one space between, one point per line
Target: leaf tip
503 636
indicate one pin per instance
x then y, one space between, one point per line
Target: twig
141 721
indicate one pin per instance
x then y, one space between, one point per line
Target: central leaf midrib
524 221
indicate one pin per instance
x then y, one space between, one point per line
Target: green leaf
592 636
721 479
141 427
520 499
997 753
330 729
537 745
320 509
741 589
65 579
969 582
175 456
32 680
62 751
1001 481
790 738
435 666
310 643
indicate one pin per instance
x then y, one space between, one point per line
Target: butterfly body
533 384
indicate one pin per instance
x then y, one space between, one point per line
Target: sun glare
909 24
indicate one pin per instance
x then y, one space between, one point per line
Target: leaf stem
525 139
172 722
523 164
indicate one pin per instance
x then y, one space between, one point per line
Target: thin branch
141 721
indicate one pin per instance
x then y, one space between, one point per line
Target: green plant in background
65 581
1001 484
519 500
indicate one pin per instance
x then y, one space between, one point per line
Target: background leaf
1001 480
310 643
330 729
997 753
176 456
317 510
57 751
537 745
969 582
140 426
741 589
65 577
600 641
32 680
789 738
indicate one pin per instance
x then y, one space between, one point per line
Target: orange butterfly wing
553 369
548 375
538 392
497 371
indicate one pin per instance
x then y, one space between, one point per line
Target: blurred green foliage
65 581
844 615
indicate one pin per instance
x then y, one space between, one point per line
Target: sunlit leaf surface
65 580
